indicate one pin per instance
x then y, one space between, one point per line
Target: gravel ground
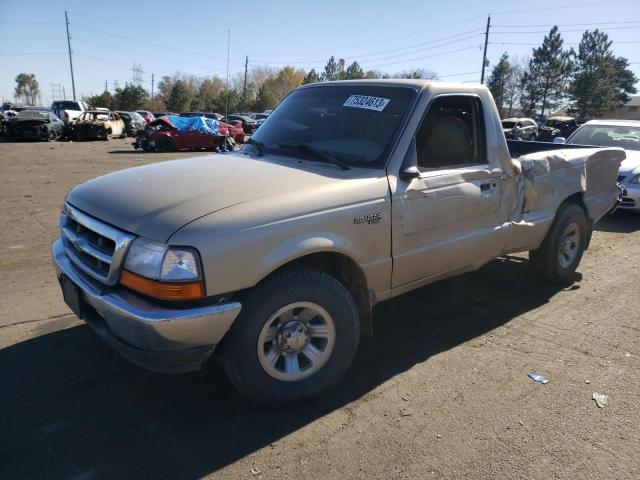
440 392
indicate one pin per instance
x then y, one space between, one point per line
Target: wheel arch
578 199
343 268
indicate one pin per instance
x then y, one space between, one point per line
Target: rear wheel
296 336
561 251
532 137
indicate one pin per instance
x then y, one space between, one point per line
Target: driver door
447 217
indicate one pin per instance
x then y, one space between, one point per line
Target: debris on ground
537 378
587 382
405 397
255 471
406 412
601 399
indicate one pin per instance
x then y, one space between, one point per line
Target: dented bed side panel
546 179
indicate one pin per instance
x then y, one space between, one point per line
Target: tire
271 311
165 144
559 255
532 137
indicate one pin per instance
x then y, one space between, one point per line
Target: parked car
351 194
35 123
163 114
171 132
249 125
68 110
212 115
259 118
557 127
148 116
520 129
98 124
233 130
615 133
134 123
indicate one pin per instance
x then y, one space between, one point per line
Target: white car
616 133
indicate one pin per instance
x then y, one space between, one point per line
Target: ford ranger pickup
349 194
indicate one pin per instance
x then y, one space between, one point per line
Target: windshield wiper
261 147
319 154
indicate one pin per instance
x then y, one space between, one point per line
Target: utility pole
226 101
153 79
106 85
73 82
484 55
64 93
244 89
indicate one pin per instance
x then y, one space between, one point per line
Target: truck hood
156 200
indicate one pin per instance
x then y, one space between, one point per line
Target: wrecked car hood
156 200
631 164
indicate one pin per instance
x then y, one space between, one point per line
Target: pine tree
498 82
311 77
601 81
546 80
331 70
354 72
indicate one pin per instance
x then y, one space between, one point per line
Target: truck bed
518 148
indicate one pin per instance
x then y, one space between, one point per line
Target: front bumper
630 197
158 338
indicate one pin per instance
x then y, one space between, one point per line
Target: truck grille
94 247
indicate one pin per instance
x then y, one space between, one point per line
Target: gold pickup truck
349 194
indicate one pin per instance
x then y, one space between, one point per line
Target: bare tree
27 87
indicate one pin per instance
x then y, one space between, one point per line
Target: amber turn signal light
162 290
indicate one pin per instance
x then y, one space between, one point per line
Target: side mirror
409 168
559 140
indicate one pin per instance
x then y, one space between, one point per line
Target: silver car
616 133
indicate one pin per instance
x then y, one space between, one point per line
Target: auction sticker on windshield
366 102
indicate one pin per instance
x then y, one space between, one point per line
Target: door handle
488 186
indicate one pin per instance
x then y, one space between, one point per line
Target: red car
235 131
163 136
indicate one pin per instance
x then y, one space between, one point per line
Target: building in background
628 111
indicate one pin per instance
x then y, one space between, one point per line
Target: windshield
607 136
508 124
353 123
33 114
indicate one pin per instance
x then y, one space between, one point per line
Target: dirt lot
440 392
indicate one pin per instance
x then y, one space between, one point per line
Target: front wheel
532 137
561 251
295 337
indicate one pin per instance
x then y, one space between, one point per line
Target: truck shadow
72 409
622 221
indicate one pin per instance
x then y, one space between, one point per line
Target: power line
422 58
559 7
373 54
154 44
380 40
566 24
563 31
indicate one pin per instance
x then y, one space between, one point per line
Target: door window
452 134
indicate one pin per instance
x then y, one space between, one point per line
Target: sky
162 37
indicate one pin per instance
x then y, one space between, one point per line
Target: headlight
157 270
160 262
635 179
